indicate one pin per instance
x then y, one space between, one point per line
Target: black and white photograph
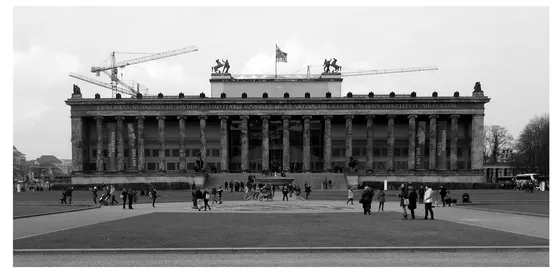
241 135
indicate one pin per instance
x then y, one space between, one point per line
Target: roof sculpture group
225 65
332 62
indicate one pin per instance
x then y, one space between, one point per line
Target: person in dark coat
194 200
69 193
206 197
124 194
290 189
199 196
412 201
367 197
231 186
421 193
285 191
442 193
63 196
219 195
307 189
226 185
154 195
94 194
131 193
214 194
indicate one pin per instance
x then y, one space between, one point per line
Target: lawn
205 229
538 208
41 209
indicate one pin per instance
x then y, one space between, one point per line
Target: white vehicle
532 178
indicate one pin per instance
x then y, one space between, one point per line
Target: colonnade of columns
138 161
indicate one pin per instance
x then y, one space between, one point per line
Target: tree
497 139
532 145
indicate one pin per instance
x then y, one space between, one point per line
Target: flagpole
275 61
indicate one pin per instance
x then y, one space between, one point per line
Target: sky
504 48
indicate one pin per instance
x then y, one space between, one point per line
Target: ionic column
182 144
203 152
411 141
244 143
433 142
161 143
306 158
140 141
77 143
327 143
120 146
454 142
132 147
369 144
348 139
99 145
286 143
390 141
477 141
265 142
224 152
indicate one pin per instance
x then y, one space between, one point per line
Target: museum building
302 126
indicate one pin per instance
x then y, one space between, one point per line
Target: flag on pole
280 56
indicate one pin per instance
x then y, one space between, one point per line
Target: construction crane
112 70
308 75
108 86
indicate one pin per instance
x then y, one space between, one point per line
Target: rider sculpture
215 69
331 63
225 65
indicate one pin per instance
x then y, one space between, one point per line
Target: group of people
200 197
66 193
409 198
236 186
129 196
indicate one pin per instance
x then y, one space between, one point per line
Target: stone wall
121 179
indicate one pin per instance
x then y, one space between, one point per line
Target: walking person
350 196
63 197
298 193
131 193
429 202
226 185
231 186
442 193
403 197
214 194
94 194
307 189
412 201
154 195
367 197
291 189
206 197
421 193
124 196
112 189
219 195
69 194
381 198
448 199
285 191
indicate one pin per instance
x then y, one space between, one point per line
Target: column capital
307 117
98 118
478 115
200 117
391 116
182 117
223 117
327 116
454 116
119 117
369 116
265 116
433 116
412 116
244 117
285 117
76 117
140 117
350 116
161 117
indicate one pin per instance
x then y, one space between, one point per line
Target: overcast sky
506 49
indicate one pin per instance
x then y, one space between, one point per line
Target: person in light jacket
350 196
428 199
403 196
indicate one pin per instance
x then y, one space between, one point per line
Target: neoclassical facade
162 138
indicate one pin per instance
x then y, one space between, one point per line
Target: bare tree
533 146
497 139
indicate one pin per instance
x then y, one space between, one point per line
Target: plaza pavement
514 223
